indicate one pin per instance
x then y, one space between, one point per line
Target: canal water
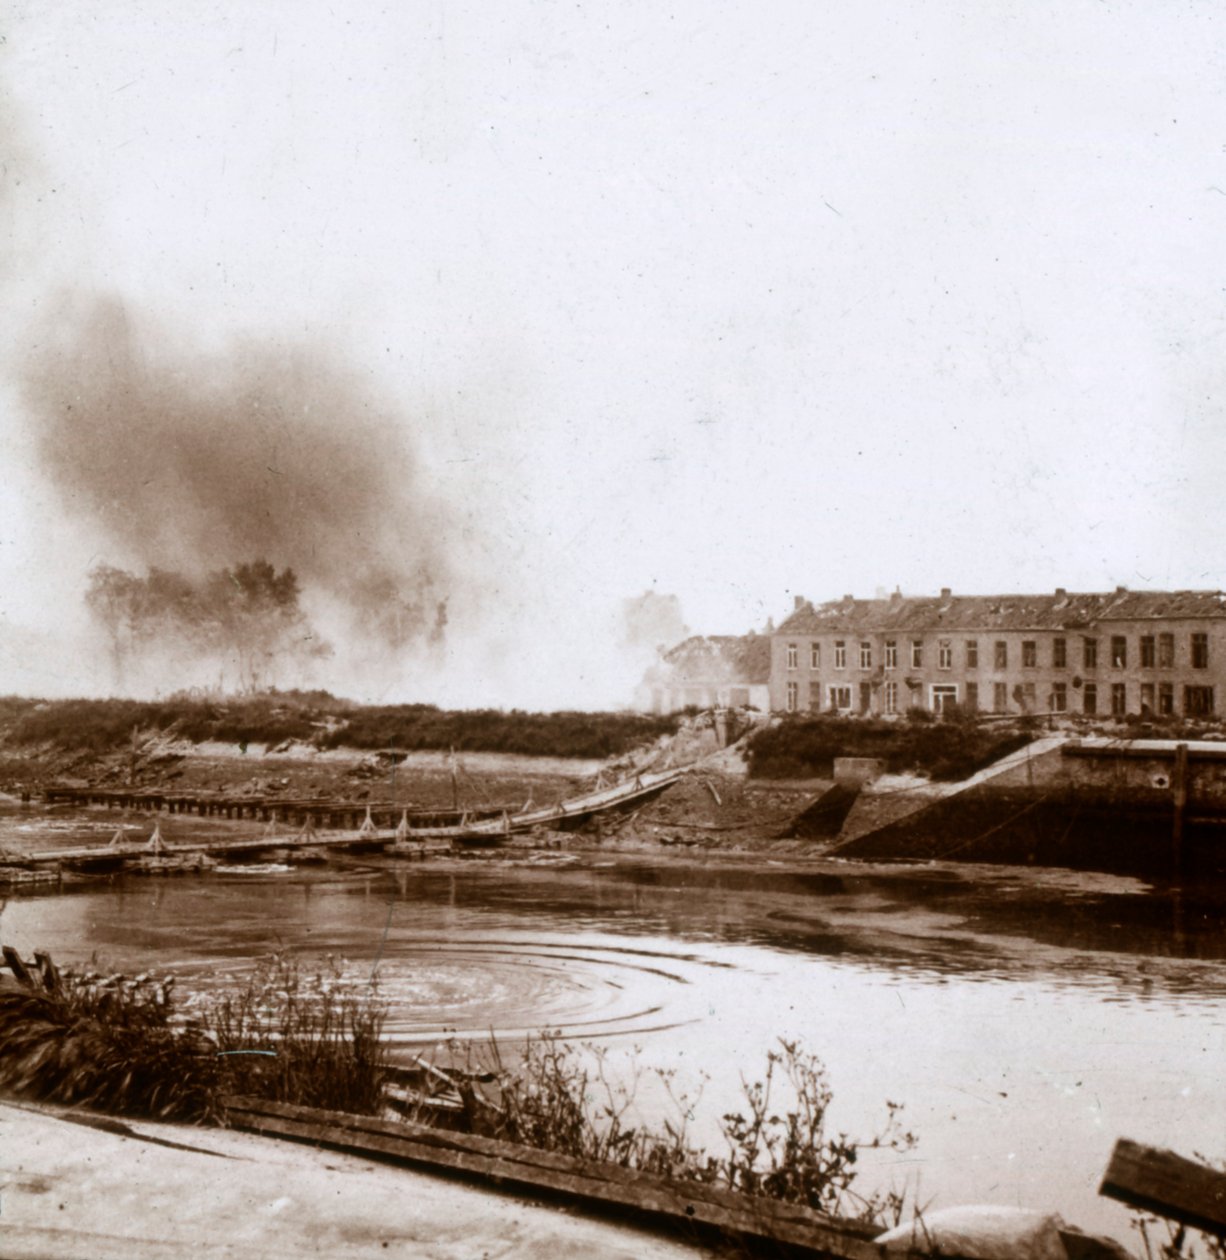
1024 1019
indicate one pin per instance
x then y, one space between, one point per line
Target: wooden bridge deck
343 824
317 811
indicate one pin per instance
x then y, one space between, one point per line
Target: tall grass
561 1098
311 1039
110 1043
121 1045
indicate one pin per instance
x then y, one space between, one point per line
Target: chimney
946 592
798 602
896 598
1061 593
848 598
1121 590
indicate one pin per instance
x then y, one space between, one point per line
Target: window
840 654
840 698
866 655
1028 696
1198 701
891 697
1119 652
945 654
1059 697
891 653
972 696
792 651
1089 699
1166 699
815 656
944 697
1148 654
1089 653
1200 652
917 653
1030 653
1119 699
815 700
972 654
1000 698
793 696
1059 653
1166 651
1001 658
1147 690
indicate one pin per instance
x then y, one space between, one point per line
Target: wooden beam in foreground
1167 1184
608 1186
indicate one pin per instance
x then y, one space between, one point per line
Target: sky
729 301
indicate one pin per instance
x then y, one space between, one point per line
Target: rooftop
1056 611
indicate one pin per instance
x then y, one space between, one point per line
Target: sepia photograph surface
611 631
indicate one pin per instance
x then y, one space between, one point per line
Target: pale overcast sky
726 300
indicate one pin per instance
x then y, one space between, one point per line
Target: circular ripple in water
523 987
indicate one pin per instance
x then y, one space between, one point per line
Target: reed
109 1043
119 1044
312 1038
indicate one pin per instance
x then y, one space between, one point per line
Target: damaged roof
724 657
1063 610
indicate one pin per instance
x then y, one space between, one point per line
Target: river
1024 1019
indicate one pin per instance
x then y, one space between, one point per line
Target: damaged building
708 672
1159 653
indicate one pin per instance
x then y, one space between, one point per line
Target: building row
1161 653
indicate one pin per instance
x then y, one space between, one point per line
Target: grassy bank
805 747
103 726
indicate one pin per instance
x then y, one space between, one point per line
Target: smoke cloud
193 460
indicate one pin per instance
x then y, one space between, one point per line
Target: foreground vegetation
805 747
562 1098
313 1038
315 717
122 1044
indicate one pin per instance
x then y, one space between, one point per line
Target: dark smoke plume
186 461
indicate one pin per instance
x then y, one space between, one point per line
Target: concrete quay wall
1090 805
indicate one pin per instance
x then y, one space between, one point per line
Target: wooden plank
1163 1182
604 1185
18 967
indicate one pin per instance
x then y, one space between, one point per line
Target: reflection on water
1025 1019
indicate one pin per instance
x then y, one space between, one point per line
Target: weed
563 1099
121 1045
109 1043
311 1039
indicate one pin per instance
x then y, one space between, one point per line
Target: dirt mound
710 808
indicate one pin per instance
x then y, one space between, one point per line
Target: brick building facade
1128 652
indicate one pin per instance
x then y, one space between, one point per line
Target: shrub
107 1043
120 1045
802 747
309 1039
560 1100
102 726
